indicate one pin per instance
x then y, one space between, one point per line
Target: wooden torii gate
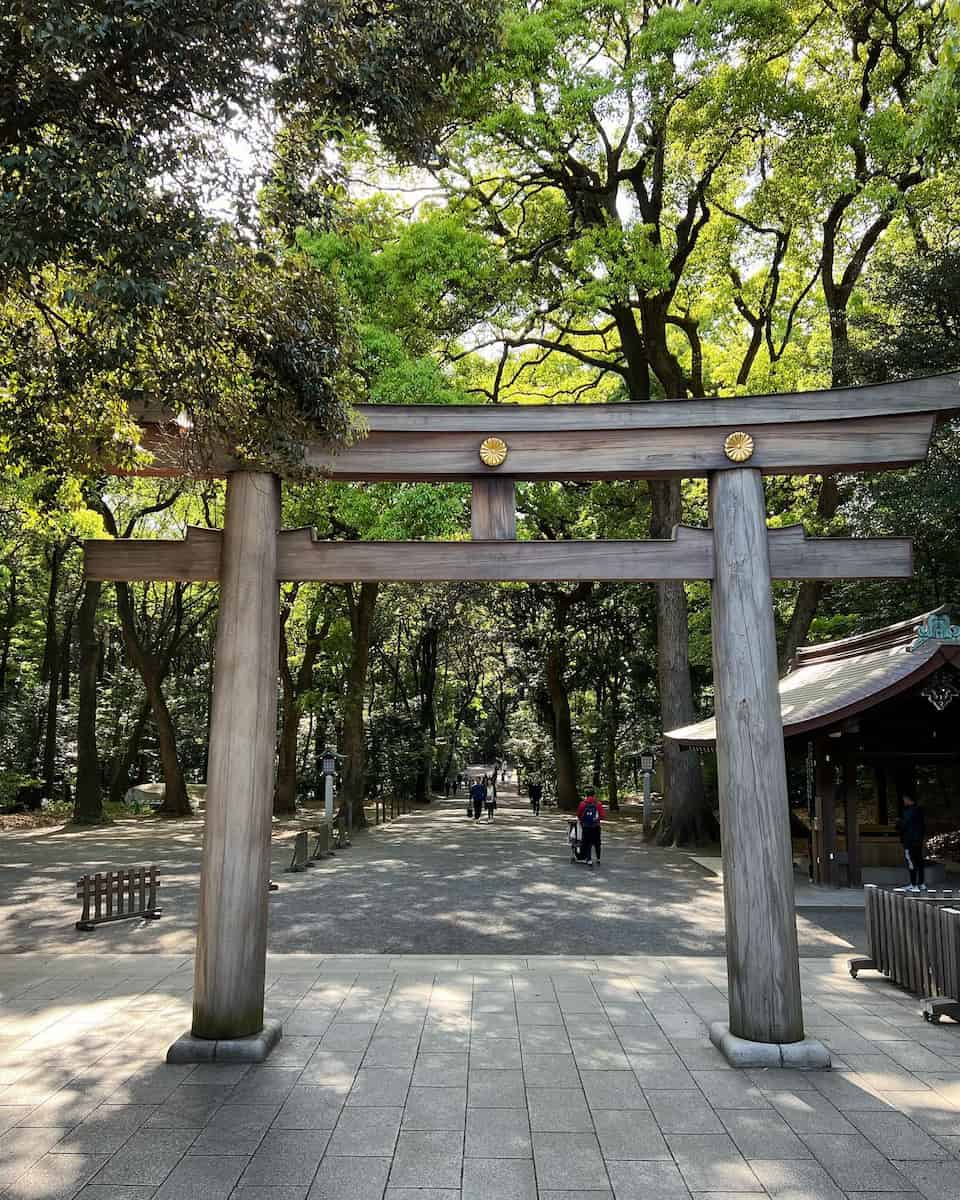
731 442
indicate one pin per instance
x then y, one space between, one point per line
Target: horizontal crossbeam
688 555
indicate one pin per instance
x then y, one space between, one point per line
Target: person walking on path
912 833
478 794
490 798
536 795
590 814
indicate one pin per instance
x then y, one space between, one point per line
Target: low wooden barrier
914 939
118 896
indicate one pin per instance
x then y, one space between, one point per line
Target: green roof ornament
936 628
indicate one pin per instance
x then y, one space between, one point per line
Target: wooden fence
118 896
914 939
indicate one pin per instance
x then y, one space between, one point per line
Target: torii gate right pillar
763 971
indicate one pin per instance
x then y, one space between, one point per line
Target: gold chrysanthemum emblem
738 446
493 451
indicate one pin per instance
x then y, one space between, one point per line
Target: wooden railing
914 939
118 896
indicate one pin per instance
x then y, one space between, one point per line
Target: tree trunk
127 758
176 803
427 677
612 727
362 606
687 817
563 748
50 671
88 801
285 793
9 621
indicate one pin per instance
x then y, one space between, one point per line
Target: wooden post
826 812
763 969
493 511
851 798
235 866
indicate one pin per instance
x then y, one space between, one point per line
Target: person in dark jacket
912 832
536 796
478 794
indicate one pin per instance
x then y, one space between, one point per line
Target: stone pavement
430 882
465 1079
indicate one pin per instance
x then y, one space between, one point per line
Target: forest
432 203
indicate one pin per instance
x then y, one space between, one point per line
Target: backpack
590 816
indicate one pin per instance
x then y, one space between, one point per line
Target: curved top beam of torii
878 427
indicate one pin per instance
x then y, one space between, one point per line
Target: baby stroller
573 837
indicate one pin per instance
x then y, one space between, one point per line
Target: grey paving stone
435 1108
224 1074
897 1137
189 1108
683 1112
380 1087
847 1091
484 1178
14 1114
64 1110
934 1181
567 1160
729 1089
348 1035
107 1191
440 1070
151 1085
21 1147
498 1133
643 1039
630 1135
55 1177
854 1163
647 1181
539 1014
495 1089
558 1110
599 1054
781 1079
580 1194
550 1070
235 1129
334 1069
393 1193
427 1160
105 1129
662 1071
350 1179
762 1133
543 1039
796 1180
699 1055
307 1022
291 1051
148 1157
711 1162
882 1074
613 1089
496 1053
287 1156
290 1192
203 1178
265 1085
309 1106
809 1112
435 1037
931 1111
365 1132
391 1052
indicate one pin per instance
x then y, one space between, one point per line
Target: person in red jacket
590 814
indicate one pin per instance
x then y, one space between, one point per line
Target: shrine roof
833 681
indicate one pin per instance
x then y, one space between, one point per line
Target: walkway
440 1079
431 882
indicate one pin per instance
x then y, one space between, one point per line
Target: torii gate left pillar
230 961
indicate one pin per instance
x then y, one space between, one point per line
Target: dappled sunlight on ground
431 882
